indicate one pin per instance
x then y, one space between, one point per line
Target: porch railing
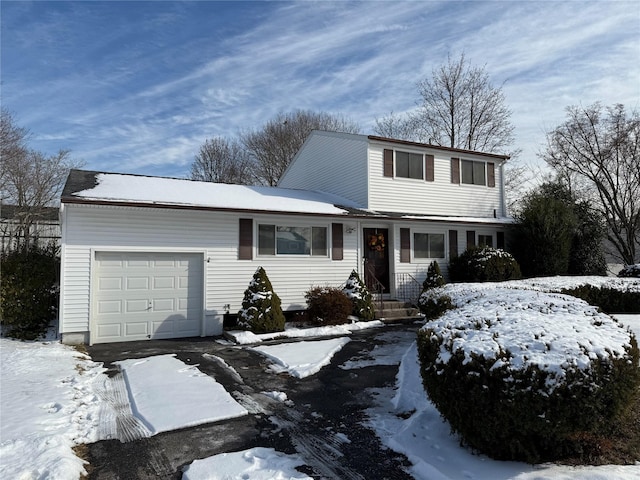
375 286
408 289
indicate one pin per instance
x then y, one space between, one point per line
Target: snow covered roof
85 186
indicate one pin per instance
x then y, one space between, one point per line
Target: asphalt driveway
322 406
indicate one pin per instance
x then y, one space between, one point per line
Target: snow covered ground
49 404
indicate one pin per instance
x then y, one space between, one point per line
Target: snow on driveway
167 394
301 359
254 464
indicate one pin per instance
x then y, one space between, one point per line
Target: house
148 257
28 224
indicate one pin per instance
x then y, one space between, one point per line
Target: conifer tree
360 297
261 311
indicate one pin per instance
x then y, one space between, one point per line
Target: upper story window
473 173
409 165
289 240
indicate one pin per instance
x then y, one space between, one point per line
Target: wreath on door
376 242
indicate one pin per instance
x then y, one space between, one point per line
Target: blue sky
137 87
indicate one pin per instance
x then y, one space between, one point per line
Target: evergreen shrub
433 304
481 380
434 277
608 299
29 291
328 306
484 264
360 297
630 271
261 310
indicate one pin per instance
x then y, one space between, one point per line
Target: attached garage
146 295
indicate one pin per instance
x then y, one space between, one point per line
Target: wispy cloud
138 87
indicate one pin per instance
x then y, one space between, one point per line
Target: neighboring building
148 257
19 225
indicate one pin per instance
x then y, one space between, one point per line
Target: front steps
393 311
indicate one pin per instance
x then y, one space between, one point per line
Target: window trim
412 237
473 165
421 162
275 225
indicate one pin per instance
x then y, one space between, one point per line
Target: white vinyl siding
214 235
332 162
439 197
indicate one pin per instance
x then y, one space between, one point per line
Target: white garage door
140 296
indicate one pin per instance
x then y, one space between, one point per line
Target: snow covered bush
261 311
433 303
484 264
360 297
434 277
29 291
610 300
327 306
524 375
630 271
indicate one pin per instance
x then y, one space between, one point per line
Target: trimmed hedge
328 306
432 303
484 264
29 291
608 299
524 412
630 271
261 308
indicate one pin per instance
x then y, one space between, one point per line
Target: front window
287 240
485 241
428 245
409 165
473 173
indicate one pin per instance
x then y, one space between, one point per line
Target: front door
376 259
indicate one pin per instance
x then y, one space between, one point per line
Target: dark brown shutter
500 240
471 238
455 170
388 163
405 245
245 250
336 242
453 244
429 168
491 174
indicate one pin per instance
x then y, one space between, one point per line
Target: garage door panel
107 283
107 307
133 329
160 283
147 295
137 283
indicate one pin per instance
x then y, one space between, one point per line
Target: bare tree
222 161
29 180
458 107
396 126
273 146
599 148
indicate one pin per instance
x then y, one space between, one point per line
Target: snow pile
302 359
519 328
48 406
166 394
255 464
246 337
